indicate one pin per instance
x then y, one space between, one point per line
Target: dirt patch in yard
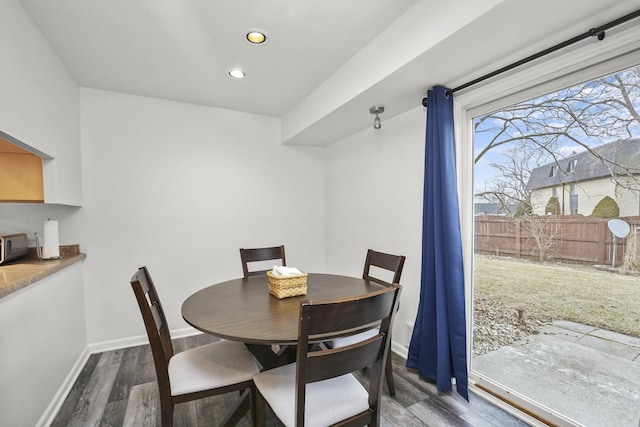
495 325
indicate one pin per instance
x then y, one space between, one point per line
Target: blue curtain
438 345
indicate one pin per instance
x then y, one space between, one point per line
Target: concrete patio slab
617 337
573 326
590 386
610 347
565 334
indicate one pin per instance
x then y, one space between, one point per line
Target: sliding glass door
556 252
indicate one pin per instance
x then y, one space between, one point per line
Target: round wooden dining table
244 310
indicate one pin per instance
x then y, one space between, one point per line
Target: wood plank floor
118 388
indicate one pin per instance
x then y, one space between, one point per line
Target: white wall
42 335
39 102
42 328
180 188
374 183
30 217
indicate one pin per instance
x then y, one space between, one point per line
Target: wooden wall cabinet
20 175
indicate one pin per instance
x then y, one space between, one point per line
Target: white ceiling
182 49
325 62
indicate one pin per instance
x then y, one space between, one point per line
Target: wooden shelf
20 174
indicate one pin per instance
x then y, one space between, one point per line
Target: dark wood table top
244 310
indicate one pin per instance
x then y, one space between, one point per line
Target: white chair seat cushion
327 402
213 365
352 339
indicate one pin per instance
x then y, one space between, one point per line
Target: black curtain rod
593 32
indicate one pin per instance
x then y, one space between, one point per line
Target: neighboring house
482 208
580 181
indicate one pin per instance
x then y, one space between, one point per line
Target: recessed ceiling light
256 37
236 73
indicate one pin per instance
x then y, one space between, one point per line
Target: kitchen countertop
25 271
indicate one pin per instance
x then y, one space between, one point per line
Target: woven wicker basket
291 286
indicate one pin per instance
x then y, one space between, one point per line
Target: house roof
493 208
585 166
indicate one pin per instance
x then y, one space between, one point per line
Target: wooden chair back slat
360 311
260 254
333 364
392 263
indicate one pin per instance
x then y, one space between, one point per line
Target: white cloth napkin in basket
285 271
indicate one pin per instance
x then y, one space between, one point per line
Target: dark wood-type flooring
118 388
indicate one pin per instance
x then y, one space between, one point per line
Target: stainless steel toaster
13 246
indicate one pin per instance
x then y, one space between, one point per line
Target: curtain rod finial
596 32
424 102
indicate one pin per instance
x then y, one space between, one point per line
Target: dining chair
319 389
208 370
382 263
261 254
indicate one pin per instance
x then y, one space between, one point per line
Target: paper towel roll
51 245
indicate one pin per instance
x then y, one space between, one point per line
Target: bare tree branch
587 114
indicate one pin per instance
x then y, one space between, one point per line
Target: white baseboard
399 349
118 344
184 332
54 406
137 340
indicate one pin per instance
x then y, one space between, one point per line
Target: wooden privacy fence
566 238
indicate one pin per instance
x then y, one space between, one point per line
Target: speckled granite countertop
25 271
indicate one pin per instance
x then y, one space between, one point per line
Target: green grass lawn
561 292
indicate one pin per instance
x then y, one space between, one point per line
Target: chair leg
166 411
260 410
252 396
388 372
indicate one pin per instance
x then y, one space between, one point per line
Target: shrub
553 206
523 209
606 208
